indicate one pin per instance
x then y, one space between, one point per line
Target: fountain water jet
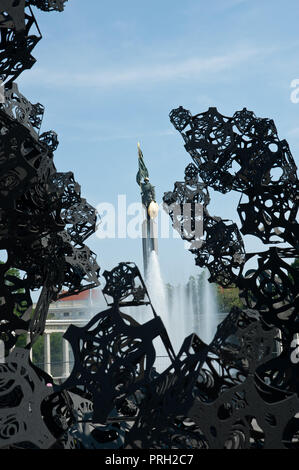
156 286
176 312
209 310
157 292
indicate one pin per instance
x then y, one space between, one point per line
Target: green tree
228 298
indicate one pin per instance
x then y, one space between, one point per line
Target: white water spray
157 292
156 288
209 313
176 313
180 316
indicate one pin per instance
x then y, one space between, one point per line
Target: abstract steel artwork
247 390
240 391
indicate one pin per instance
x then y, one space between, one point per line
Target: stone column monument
148 197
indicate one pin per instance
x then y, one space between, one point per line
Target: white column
66 358
47 353
279 345
28 341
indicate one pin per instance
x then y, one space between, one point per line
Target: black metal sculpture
253 394
43 225
233 393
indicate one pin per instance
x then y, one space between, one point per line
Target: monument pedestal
149 240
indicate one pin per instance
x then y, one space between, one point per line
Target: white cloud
293 132
192 68
224 5
107 138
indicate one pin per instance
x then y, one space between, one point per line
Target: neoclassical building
77 310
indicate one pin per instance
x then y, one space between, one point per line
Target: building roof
90 294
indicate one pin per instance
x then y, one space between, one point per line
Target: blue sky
109 73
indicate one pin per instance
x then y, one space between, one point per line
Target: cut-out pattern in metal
249 379
19 108
124 284
21 394
113 357
44 222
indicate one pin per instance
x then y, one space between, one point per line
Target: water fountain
209 310
177 311
157 292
